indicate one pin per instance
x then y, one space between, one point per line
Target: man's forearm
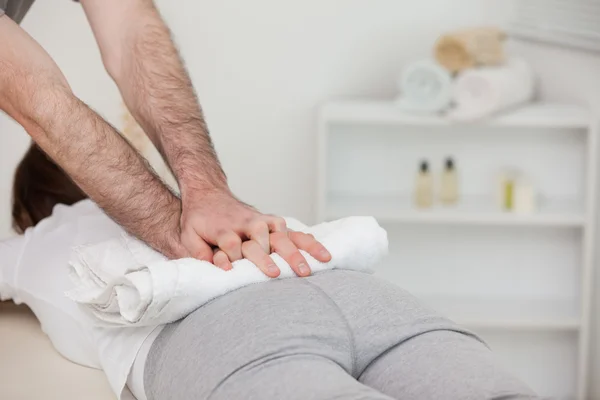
103 164
34 92
158 91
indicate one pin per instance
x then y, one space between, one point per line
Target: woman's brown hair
38 186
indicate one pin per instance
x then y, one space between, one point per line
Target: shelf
539 115
508 314
521 281
475 211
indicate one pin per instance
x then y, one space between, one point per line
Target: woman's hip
347 317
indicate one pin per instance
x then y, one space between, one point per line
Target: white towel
425 87
123 282
484 91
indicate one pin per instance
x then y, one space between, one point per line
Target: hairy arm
140 56
34 92
110 171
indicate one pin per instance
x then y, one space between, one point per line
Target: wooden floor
30 368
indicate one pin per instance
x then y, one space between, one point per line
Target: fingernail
325 254
273 270
303 268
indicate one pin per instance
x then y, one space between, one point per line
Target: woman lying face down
335 334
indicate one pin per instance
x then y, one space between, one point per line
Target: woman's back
38 275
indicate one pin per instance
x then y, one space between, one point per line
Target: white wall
262 67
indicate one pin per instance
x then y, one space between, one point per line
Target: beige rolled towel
467 48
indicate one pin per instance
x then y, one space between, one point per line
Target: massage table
30 368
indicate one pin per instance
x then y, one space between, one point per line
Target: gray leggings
335 335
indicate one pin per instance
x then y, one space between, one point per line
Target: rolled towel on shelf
425 87
484 91
125 283
468 48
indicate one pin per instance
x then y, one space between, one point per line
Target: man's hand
252 251
239 231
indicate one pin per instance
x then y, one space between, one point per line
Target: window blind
573 23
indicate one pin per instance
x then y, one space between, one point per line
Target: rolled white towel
425 86
125 283
484 91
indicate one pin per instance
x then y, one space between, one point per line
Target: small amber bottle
449 183
423 196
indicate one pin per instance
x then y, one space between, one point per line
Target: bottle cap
424 166
449 163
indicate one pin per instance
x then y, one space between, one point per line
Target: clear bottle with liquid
423 196
449 183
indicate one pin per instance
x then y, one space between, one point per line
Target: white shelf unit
473 211
524 282
509 315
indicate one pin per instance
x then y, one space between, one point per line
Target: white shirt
34 271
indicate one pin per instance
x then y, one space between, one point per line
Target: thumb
196 246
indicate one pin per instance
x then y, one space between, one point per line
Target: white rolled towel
123 282
425 86
481 92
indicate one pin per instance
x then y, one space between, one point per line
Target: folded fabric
484 91
125 283
468 48
424 86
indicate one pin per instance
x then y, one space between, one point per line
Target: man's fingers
258 231
309 244
254 252
276 224
197 247
221 260
231 244
282 245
